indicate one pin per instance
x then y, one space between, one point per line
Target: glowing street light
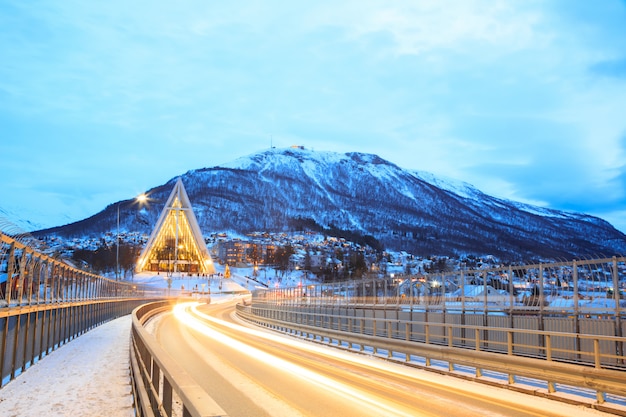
141 198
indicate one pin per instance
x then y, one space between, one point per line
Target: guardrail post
407 337
479 371
349 330
11 268
167 396
511 290
576 291
374 332
541 291
362 331
509 343
548 347
600 396
618 308
427 340
450 345
389 351
548 339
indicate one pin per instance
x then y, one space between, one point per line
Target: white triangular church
176 244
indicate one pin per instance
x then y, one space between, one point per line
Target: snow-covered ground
241 279
88 376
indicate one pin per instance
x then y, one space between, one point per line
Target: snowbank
88 376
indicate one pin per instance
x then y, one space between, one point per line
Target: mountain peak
302 154
295 188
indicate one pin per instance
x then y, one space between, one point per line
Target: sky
101 101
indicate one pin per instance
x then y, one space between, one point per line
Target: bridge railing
29 333
160 386
45 303
28 278
578 288
555 360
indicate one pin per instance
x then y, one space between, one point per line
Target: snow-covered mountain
297 189
17 224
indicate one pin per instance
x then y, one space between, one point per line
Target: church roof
176 243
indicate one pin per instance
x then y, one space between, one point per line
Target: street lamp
300 276
141 198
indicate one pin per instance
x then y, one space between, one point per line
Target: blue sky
100 101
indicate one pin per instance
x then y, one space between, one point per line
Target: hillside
362 194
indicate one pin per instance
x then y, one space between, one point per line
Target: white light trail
180 312
318 349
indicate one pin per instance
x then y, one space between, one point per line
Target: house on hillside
480 293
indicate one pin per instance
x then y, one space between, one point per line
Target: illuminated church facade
176 244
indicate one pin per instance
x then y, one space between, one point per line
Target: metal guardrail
45 303
158 379
580 288
506 351
531 333
28 278
29 333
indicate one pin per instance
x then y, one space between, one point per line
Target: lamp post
117 245
140 199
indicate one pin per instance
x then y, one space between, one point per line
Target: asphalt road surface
255 372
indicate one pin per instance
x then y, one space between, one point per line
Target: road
255 372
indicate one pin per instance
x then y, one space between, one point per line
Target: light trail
497 397
181 314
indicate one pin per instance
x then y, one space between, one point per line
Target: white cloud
419 27
519 98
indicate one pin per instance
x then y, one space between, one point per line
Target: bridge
549 330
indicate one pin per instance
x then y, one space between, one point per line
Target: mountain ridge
281 189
